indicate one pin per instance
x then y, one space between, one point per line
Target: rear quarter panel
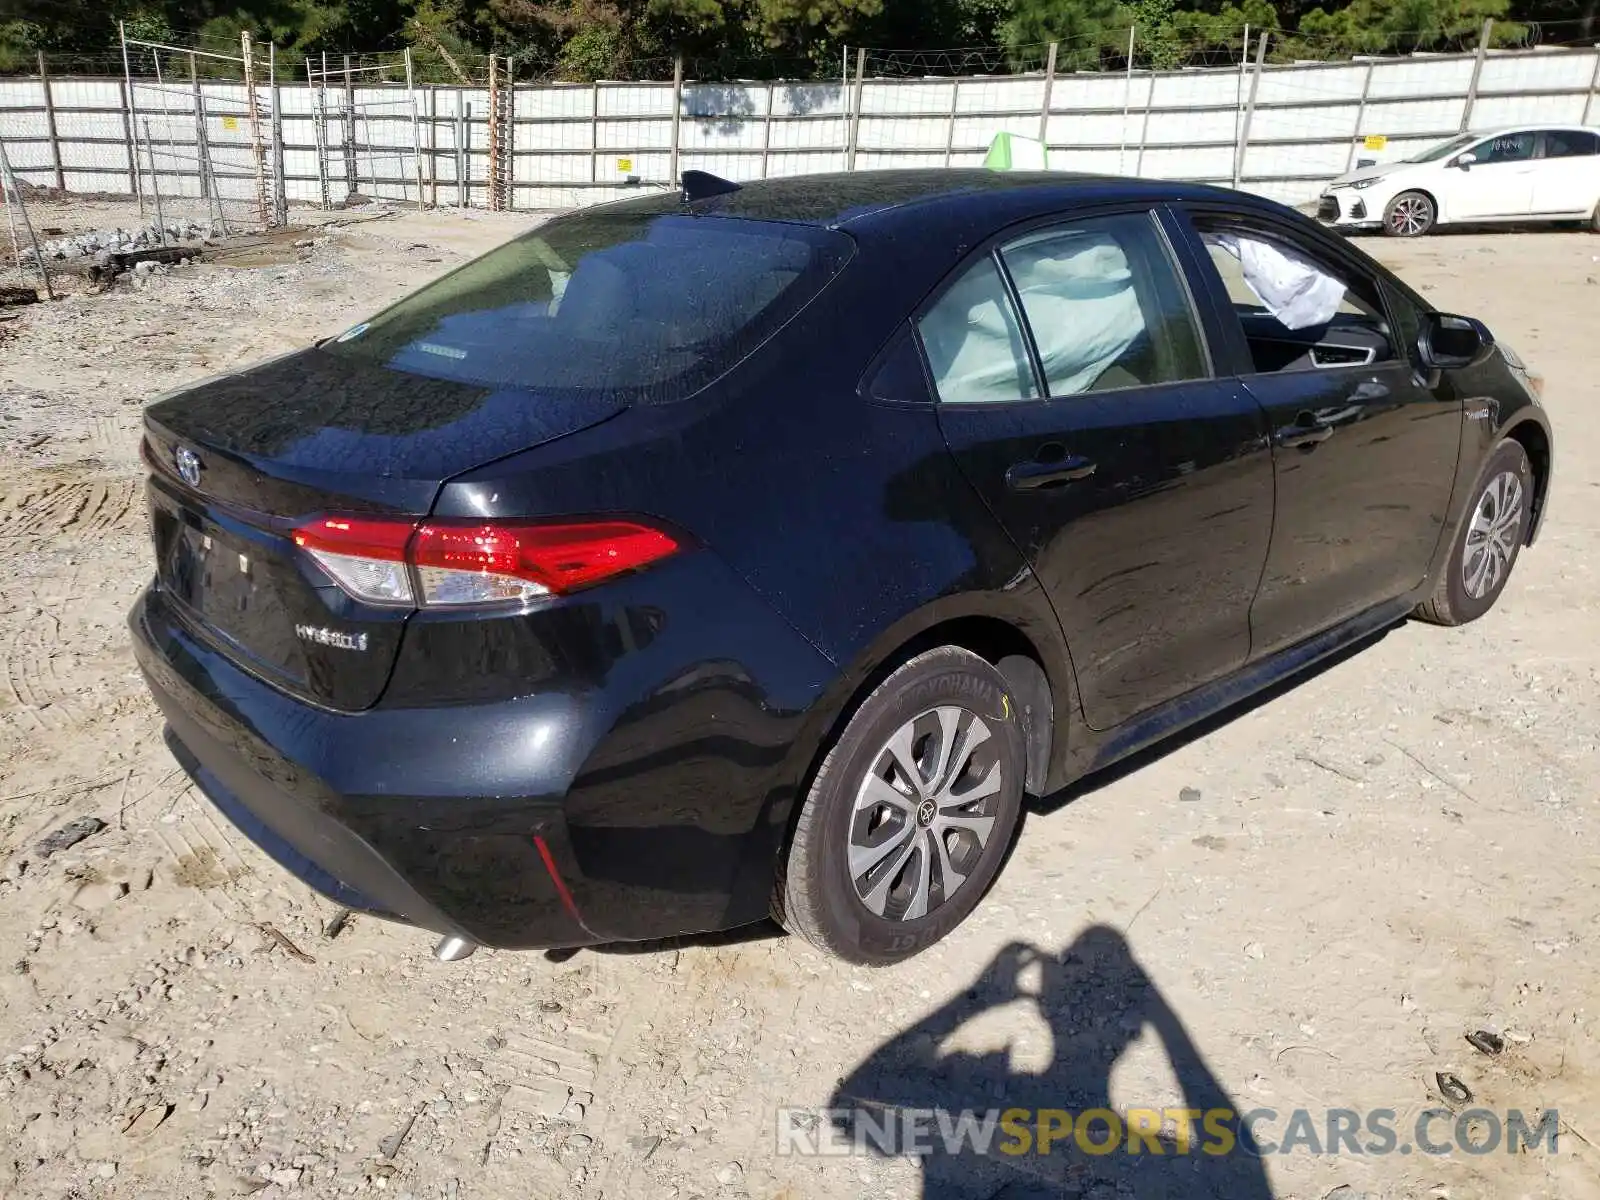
846 518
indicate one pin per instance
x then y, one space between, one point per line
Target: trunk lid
307 434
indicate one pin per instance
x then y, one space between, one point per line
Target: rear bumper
473 820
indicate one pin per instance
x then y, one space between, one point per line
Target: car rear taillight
454 562
366 557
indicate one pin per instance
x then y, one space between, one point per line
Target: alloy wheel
1410 216
1492 535
924 813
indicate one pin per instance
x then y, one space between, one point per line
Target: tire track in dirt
202 854
33 684
552 1076
56 502
115 437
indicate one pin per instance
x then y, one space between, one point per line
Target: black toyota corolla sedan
758 549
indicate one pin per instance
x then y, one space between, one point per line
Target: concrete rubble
102 243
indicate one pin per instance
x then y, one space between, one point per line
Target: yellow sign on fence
1374 141
231 124
625 165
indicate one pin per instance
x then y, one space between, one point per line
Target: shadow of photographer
1095 999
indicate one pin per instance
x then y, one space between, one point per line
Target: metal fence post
950 124
509 167
855 111
316 82
594 132
280 198
130 114
257 151
766 128
1144 125
1238 87
416 130
463 154
199 125
677 118
1249 113
1044 109
1127 100
208 172
155 183
351 183
1361 116
494 133
1477 73
844 98
50 125
433 146
1594 86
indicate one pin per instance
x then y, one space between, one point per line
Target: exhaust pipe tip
453 949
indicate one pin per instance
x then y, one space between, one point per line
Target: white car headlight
1362 184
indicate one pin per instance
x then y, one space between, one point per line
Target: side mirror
1449 343
1465 160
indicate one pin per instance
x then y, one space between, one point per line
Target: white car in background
1522 173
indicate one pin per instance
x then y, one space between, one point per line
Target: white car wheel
1410 214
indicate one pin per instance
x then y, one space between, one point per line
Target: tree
591 39
1085 30
1400 26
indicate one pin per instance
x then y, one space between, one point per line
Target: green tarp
1013 152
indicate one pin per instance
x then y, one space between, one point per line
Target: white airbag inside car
974 345
1293 290
1079 297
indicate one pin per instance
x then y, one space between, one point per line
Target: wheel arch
1034 662
1534 438
1012 628
1005 647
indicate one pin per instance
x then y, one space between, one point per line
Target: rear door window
1103 306
1106 306
1570 143
626 300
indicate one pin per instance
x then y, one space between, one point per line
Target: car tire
1493 529
1594 220
1410 214
923 786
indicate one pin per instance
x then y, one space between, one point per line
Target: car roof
881 200
1529 127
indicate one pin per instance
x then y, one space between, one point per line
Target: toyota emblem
188 466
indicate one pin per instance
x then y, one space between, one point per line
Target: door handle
1306 431
1035 475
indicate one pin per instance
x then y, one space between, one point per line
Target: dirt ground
1308 906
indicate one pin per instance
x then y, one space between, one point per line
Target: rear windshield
626 300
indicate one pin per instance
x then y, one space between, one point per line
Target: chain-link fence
365 129
205 148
